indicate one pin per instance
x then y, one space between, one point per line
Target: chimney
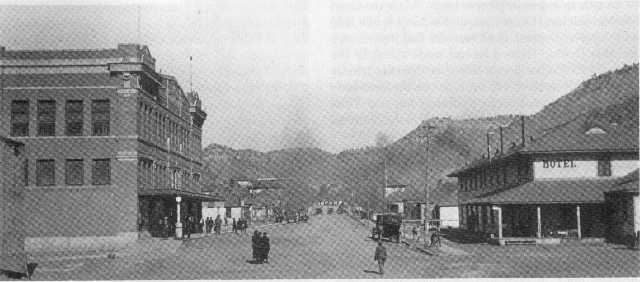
522 125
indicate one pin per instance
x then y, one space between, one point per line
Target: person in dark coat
254 245
380 256
234 225
187 227
217 223
266 247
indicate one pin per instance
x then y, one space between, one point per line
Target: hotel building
552 187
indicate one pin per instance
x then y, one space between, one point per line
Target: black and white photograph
319 139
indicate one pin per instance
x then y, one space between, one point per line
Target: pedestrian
234 225
435 238
380 256
266 247
166 227
217 223
187 227
254 245
414 233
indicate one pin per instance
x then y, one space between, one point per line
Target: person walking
380 256
435 238
187 227
267 246
217 224
254 245
234 225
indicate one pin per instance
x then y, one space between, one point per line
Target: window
100 116
74 172
46 118
45 173
101 172
19 118
73 117
604 167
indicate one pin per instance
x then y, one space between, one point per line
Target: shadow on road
462 236
371 271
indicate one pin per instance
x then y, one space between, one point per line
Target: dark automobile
318 211
330 211
304 218
387 226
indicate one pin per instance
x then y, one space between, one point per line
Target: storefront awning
176 193
550 192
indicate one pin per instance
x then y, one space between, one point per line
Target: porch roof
176 193
550 192
627 184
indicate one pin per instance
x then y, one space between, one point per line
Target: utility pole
428 129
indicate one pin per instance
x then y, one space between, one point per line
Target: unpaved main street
336 246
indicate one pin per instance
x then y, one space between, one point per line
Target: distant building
551 187
113 146
445 200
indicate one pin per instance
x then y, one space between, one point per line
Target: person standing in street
234 225
217 224
254 245
380 256
187 227
266 247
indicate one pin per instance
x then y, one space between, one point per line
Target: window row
496 176
73 115
159 128
73 172
157 176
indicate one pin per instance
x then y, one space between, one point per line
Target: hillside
359 174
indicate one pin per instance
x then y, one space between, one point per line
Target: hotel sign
558 164
564 168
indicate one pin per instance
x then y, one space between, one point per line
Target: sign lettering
558 164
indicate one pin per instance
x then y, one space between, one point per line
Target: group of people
261 246
211 224
240 225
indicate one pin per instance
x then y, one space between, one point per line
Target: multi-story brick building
550 187
113 146
12 180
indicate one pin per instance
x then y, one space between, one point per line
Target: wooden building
552 187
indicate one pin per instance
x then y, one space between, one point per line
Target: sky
333 74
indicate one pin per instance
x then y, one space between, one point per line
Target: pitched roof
551 191
627 184
572 137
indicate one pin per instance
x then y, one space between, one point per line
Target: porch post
479 213
578 222
539 234
178 223
499 222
